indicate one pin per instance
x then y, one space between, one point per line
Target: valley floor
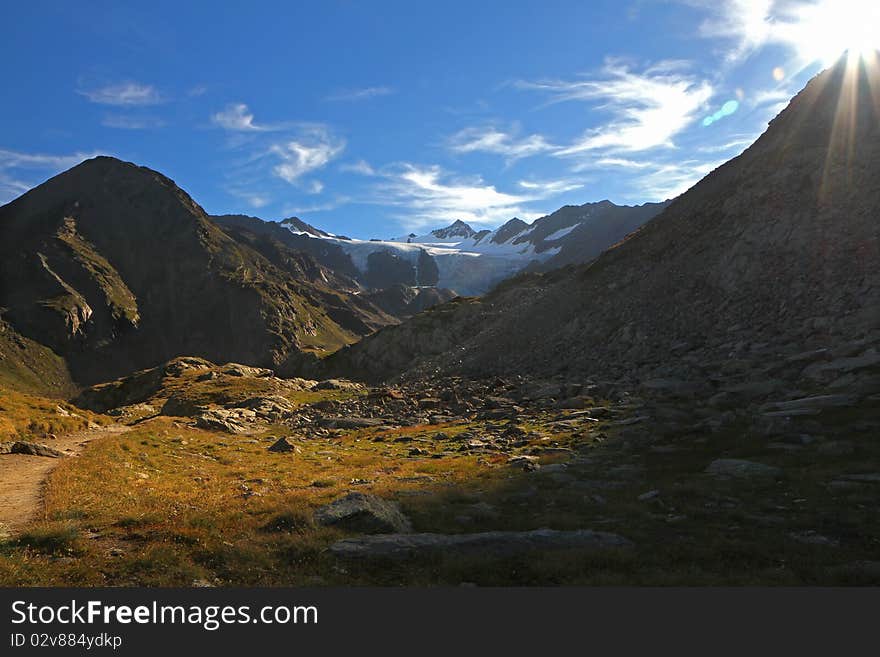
670 494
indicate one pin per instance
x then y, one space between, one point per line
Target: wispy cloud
541 189
311 150
429 194
254 200
363 93
621 162
361 167
125 122
648 109
270 156
11 187
42 161
237 117
746 22
17 169
124 94
491 139
300 210
672 179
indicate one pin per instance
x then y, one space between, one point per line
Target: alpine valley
677 393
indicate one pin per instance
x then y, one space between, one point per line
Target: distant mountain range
112 267
471 262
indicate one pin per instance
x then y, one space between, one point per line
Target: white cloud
547 188
770 97
361 167
816 30
237 117
431 195
620 162
11 188
300 210
736 144
254 200
310 151
364 93
649 108
42 161
490 139
747 22
123 122
672 179
124 94
14 163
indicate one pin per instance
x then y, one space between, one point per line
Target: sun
822 31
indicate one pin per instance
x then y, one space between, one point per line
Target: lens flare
821 32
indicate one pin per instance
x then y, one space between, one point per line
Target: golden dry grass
27 417
166 504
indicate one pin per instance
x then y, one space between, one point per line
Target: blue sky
374 118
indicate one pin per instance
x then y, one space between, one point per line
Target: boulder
809 405
363 513
350 422
282 446
230 421
337 384
236 369
270 407
35 449
741 469
481 544
828 371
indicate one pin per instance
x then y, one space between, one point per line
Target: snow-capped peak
456 229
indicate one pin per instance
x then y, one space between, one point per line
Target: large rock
237 369
231 421
35 449
494 544
350 422
337 384
282 446
816 403
270 407
363 513
742 469
828 371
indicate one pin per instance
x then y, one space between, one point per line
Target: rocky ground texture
723 476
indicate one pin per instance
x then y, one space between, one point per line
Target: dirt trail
22 476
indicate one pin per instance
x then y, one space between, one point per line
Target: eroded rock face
367 514
482 544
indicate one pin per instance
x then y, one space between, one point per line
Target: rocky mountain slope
113 267
763 274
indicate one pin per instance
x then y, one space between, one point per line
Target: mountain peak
458 228
509 230
297 225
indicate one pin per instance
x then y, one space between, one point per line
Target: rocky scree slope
769 264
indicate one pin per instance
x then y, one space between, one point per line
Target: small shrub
50 539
